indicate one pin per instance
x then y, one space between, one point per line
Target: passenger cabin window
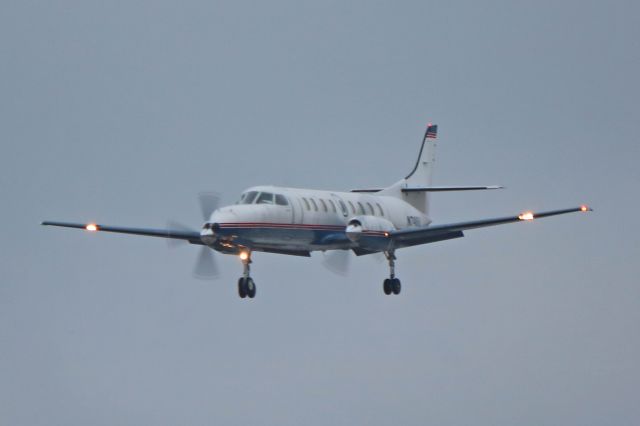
247 197
380 209
313 203
281 200
265 198
343 207
324 205
370 209
360 208
333 206
306 203
353 209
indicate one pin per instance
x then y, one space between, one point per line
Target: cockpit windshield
256 197
265 198
248 197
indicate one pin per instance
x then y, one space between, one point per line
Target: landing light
584 208
244 255
526 216
91 227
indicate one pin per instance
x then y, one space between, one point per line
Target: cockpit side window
265 198
247 197
281 200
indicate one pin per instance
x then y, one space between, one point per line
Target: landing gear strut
391 284
246 286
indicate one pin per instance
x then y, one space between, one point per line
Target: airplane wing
414 236
179 234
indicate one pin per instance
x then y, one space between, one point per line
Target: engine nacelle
367 225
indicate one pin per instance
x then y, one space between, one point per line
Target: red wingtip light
91 227
584 208
526 216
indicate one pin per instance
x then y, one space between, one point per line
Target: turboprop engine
360 226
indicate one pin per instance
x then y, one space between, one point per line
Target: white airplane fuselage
271 218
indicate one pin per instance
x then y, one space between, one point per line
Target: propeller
206 265
209 202
337 261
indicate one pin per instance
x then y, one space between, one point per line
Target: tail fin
422 172
416 186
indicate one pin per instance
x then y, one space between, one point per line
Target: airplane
292 221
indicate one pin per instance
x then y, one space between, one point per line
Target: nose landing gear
392 284
246 286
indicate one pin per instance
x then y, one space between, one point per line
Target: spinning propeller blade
337 261
208 203
206 266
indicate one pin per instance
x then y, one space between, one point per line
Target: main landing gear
392 284
246 286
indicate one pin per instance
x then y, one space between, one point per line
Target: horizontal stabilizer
450 188
436 188
367 190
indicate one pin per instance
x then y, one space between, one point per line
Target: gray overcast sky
121 112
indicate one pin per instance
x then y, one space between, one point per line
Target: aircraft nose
223 215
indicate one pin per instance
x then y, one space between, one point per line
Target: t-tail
415 187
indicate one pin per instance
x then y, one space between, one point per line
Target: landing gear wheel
386 286
242 288
396 286
251 288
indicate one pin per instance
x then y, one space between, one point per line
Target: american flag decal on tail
432 131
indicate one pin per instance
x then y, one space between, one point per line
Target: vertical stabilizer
421 175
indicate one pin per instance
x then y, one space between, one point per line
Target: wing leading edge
190 236
415 236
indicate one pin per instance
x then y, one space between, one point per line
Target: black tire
386 286
242 288
251 288
396 286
